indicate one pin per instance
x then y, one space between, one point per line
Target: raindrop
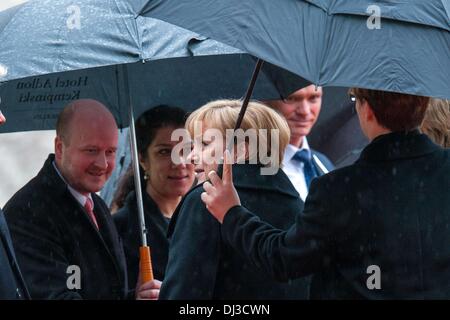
394 171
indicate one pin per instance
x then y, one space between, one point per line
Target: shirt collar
291 150
77 195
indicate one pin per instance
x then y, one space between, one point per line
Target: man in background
301 163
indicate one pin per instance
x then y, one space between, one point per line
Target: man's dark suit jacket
12 285
324 160
391 209
51 231
201 266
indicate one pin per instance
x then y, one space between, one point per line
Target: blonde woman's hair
223 114
436 123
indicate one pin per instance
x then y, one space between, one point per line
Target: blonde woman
436 124
200 265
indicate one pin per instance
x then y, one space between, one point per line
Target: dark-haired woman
163 184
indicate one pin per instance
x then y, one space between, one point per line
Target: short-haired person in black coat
64 236
202 266
163 186
378 229
12 285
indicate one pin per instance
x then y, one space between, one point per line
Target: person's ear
369 114
142 162
58 148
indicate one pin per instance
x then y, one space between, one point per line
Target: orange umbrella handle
145 264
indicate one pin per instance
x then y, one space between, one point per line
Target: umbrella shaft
247 97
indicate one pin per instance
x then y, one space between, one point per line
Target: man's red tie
89 206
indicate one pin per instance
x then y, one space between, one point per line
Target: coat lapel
321 169
249 176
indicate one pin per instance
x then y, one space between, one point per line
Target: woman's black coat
127 223
202 266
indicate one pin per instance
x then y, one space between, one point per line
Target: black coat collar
398 145
248 176
151 210
54 182
51 178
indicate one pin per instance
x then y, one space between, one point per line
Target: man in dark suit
301 163
378 229
12 285
65 238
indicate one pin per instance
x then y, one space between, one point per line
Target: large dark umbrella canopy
52 52
37 47
33 103
329 42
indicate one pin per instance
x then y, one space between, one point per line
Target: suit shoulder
30 195
324 159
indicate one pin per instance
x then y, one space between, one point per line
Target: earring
146 176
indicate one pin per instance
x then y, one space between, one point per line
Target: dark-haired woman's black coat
127 223
202 266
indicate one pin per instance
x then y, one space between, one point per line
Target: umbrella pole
249 93
145 263
247 98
